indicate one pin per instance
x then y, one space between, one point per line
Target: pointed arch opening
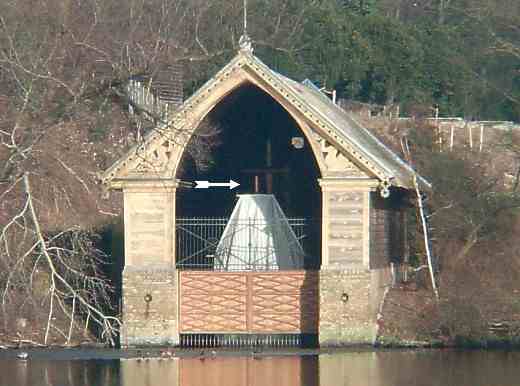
249 137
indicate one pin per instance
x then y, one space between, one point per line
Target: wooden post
406 247
438 128
481 136
269 162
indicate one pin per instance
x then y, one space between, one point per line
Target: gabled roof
326 118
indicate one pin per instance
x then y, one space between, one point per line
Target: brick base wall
152 322
341 322
345 322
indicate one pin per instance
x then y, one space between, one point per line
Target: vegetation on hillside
474 219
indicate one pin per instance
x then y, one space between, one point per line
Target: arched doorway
250 138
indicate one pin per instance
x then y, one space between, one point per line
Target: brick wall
152 322
350 322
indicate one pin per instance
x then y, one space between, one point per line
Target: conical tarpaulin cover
258 237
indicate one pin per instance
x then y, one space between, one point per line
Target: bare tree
64 67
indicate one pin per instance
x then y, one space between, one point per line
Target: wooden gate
273 302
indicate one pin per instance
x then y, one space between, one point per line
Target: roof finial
245 17
245 42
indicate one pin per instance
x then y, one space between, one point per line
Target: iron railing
246 245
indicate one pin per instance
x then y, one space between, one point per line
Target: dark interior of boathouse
250 138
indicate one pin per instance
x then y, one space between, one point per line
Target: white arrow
206 184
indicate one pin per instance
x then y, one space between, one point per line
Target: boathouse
339 197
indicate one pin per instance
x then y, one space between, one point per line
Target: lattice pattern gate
271 302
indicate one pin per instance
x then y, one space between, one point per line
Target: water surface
378 368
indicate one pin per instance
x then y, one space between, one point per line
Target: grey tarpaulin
258 237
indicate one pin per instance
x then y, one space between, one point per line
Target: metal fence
247 341
200 243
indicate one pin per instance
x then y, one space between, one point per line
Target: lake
366 368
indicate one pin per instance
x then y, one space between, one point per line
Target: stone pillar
149 277
346 315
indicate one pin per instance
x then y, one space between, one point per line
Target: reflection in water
385 368
149 373
418 368
59 373
286 371
230 371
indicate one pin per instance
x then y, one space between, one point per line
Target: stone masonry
150 305
356 262
149 277
345 314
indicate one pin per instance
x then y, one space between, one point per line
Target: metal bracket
385 188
